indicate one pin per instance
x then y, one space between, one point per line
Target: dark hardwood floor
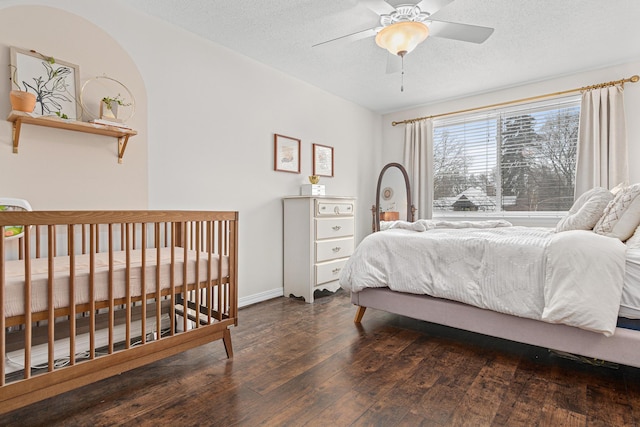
308 364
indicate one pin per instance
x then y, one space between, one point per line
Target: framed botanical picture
322 160
286 154
55 83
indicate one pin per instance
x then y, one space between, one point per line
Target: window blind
520 158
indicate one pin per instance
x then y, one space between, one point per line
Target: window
520 158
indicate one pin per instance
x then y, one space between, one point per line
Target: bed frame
623 347
164 306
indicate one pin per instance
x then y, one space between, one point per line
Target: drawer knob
335 271
336 249
336 227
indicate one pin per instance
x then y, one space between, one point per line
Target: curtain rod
632 79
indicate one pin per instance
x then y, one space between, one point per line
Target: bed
576 292
90 294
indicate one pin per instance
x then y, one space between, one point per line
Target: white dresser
318 240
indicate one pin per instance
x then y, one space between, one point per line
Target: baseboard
262 296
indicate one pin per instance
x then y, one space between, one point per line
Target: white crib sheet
14 277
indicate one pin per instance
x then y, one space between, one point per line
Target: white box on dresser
312 190
318 240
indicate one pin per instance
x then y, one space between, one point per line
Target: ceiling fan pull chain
402 75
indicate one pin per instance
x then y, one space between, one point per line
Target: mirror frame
410 209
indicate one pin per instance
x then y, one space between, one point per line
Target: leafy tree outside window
517 159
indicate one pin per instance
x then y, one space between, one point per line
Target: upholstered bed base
623 347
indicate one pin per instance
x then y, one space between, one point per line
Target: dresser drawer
327 250
329 271
325 208
327 228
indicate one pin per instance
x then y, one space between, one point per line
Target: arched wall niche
60 169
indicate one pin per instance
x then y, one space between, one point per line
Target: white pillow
618 188
586 210
634 241
622 215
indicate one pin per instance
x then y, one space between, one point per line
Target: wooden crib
85 295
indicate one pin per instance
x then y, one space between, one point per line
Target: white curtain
418 161
602 140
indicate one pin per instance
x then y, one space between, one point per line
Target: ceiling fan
402 28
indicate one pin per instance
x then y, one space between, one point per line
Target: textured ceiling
533 40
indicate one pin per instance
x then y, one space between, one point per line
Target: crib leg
359 314
226 338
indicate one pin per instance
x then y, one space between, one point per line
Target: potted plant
109 107
21 100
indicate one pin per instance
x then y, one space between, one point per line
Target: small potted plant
21 100
109 107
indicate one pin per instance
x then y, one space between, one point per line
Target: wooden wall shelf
19 117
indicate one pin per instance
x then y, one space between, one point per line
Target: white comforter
573 277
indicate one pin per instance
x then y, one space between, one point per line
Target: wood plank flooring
301 364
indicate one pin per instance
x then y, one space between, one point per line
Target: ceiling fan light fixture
402 37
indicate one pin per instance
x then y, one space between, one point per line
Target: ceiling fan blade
351 37
394 63
380 7
456 31
432 6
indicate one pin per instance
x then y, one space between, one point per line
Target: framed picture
55 83
286 156
322 160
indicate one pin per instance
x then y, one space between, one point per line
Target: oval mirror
393 196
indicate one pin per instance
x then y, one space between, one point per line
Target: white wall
211 118
219 152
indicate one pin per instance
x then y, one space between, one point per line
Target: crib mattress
15 277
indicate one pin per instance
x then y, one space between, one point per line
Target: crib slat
191 236
111 296
50 292
166 234
133 239
203 233
93 238
127 283
27 305
54 246
84 238
143 281
122 237
197 278
221 304
185 295
96 248
27 254
172 278
72 295
21 253
232 251
222 293
210 251
158 289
